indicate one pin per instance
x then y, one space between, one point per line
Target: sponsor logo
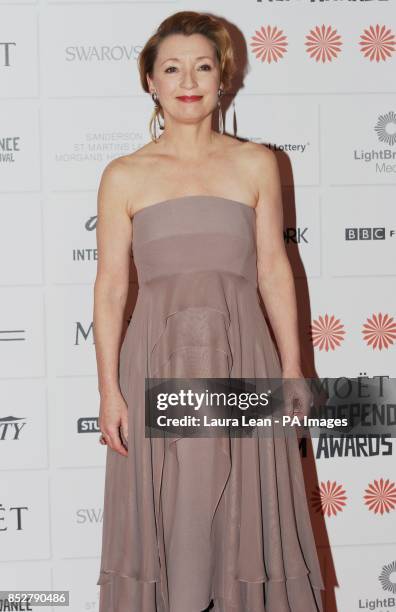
102 53
295 235
380 496
88 425
6 53
327 332
9 148
367 233
11 427
329 498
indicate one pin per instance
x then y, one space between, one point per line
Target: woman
187 521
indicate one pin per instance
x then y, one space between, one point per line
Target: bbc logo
365 233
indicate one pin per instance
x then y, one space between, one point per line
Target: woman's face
186 66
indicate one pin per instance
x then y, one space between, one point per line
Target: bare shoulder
242 150
122 177
258 164
121 168
115 174
261 158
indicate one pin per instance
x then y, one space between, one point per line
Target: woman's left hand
297 396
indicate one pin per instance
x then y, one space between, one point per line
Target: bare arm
275 276
114 234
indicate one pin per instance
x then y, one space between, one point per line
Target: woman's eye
206 67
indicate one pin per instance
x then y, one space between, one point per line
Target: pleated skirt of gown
187 520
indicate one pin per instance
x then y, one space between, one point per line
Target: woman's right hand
113 421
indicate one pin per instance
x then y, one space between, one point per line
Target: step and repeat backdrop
317 85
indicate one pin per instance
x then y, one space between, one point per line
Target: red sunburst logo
327 332
323 44
377 43
381 496
329 498
379 331
269 44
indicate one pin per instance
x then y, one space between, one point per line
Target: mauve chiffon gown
187 520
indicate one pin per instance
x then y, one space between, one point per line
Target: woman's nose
188 79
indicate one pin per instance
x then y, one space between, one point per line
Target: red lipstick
189 98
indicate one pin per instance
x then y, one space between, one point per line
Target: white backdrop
70 102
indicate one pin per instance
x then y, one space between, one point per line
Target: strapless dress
188 520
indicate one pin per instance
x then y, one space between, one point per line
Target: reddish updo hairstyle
187 23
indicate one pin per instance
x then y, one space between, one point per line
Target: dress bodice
194 233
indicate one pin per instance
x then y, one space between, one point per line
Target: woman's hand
298 398
113 423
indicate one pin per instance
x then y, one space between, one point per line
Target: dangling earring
221 118
234 119
157 113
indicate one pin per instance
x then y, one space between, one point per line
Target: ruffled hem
291 594
106 576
